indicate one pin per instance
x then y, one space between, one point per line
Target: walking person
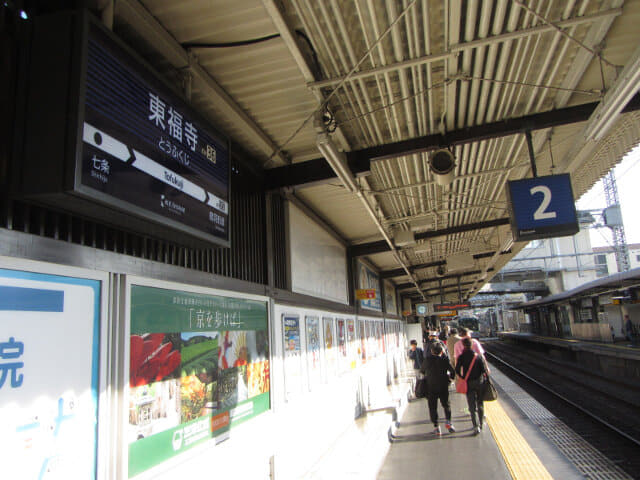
439 373
628 326
472 365
475 344
416 354
444 334
433 340
451 344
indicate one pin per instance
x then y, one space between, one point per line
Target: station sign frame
542 207
122 146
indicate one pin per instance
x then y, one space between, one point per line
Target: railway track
606 417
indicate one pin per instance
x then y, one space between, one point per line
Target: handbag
461 383
490 393
421 388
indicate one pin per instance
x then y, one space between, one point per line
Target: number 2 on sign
541 213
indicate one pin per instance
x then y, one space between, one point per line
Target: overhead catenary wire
563 33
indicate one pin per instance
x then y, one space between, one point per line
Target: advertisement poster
380 337
330 350
362 351
198 365
292 354
371 339
367 279
390 298
351 342
49 362
313 351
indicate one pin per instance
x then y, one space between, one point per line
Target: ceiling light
624 88
337 160
402 238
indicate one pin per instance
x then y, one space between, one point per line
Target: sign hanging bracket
532 156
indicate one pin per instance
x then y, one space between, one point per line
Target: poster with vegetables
198 365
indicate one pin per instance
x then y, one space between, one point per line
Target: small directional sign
542 207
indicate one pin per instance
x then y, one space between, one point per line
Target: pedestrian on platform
433 340
613 334
473 364
451 344
439 373
444 334
475 344
416 354
628 326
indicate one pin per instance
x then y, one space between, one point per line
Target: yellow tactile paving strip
521 460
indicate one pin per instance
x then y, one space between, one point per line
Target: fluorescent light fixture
402 238
337 160
624 88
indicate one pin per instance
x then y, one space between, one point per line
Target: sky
628 179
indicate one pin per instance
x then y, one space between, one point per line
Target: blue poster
49 375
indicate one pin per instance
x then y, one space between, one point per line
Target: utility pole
613 220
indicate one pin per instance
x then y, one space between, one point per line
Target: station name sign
140 150
542 207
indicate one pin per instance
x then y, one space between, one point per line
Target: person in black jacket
433 340
416 354
439 374
475 381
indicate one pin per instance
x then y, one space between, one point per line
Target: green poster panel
198 365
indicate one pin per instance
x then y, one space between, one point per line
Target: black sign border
540 233
73 178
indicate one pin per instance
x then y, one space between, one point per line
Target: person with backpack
472 367
438 374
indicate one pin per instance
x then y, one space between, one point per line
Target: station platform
521 440
620 349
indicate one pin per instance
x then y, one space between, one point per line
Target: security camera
441 270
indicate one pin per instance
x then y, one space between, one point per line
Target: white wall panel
318 261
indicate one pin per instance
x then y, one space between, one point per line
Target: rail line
568 401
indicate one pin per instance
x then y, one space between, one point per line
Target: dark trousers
432 399
474 400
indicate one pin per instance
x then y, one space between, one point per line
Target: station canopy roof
388 82
611 284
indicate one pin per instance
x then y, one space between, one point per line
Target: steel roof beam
427 281
399 272
502 128
381 246
317 171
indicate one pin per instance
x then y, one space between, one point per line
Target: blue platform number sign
542 207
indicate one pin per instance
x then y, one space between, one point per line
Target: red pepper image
150 359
